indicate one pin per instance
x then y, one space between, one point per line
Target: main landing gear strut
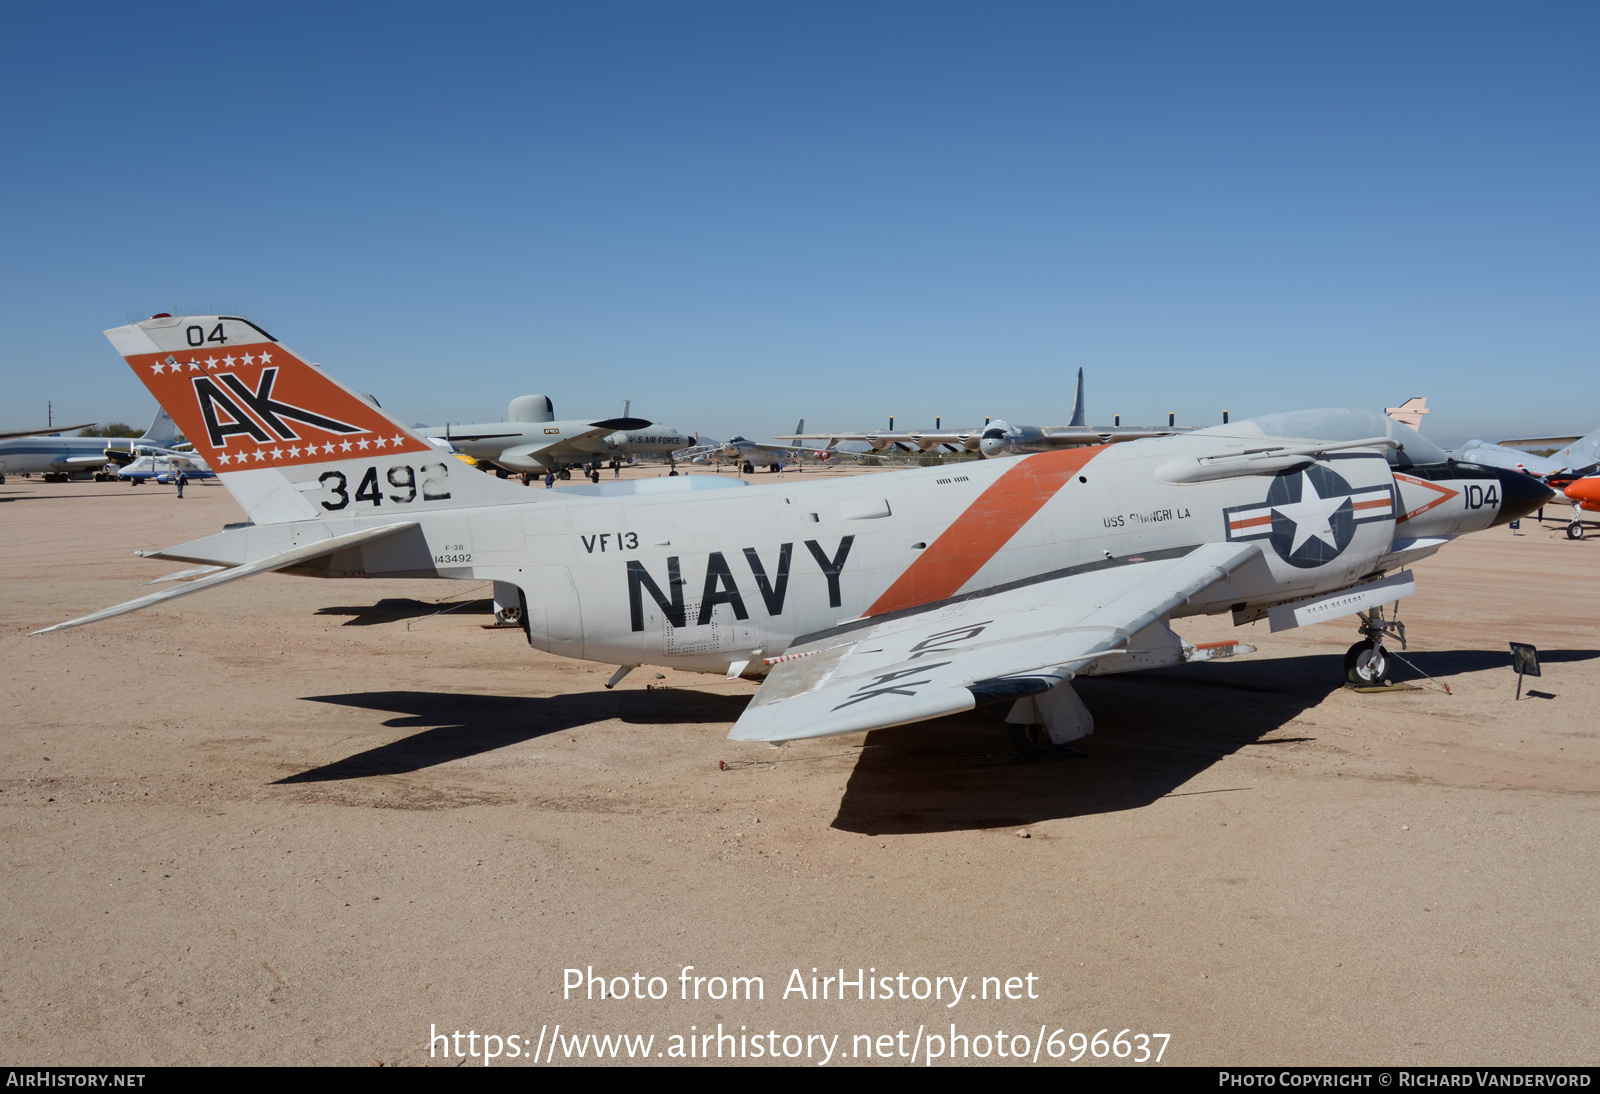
1366 664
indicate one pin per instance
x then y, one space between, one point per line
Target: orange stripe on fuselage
988 524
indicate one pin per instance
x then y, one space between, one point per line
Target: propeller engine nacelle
996 440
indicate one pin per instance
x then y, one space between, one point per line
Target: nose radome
1520 495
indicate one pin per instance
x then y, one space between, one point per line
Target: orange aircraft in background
1585 494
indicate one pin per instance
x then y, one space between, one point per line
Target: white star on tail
1310 515
156 368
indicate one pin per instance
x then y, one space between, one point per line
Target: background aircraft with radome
532 440
865 601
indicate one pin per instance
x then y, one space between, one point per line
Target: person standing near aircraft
180 479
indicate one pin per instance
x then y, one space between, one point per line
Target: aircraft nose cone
1585 489
1520 495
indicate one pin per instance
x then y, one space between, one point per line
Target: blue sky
738 214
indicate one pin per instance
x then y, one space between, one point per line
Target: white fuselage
710 578
50 454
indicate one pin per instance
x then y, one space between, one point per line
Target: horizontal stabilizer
181 575
291 557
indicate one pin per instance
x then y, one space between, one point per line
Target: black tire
1575 530
1366 665
1033 744
499 472
563 474
671 473
749 468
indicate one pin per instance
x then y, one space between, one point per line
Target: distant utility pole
49 415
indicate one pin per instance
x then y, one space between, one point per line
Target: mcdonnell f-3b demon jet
866 601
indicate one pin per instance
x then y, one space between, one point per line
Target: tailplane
289 441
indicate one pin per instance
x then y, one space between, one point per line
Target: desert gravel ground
296 821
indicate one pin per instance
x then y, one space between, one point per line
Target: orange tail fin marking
261 406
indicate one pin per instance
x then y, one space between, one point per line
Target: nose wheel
1575 530
1366 664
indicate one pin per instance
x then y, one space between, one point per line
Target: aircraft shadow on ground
459 726
1154 732
394 609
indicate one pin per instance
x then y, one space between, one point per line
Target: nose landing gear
1366 665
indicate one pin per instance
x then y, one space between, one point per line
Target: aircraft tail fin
1580 454
1410 412
163 432
800 428
289 441
1077 402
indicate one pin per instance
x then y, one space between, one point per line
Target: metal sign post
1525 659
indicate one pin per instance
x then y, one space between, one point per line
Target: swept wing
45 432
531 457
976 649
294 556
